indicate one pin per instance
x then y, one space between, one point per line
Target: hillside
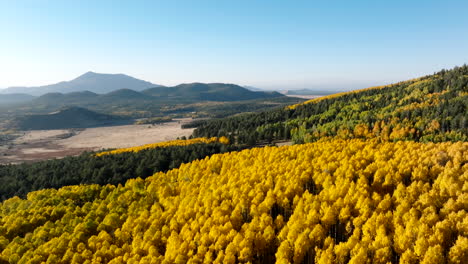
327 202
124 95
94 82
87 99
72 117
190 93
209 92
431 108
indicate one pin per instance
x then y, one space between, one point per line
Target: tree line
19 179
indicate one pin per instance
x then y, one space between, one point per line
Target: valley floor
47 144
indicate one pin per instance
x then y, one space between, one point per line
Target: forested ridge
378 175
428 109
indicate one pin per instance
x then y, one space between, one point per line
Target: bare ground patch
48 144
127 136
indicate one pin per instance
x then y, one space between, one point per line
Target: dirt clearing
47 144
126 136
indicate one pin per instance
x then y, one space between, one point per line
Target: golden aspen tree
459 252
434 254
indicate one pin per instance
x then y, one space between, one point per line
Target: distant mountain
94 82
72 117
253 89
125 95
153 98
307 92
295 91
209 92
7 99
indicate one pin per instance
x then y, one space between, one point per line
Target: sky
335 45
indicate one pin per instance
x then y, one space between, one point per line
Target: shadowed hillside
72 117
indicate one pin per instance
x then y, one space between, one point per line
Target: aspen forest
340 201
377 175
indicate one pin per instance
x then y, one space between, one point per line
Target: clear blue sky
268 44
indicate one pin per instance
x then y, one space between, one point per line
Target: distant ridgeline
112 167
70 117
431 108
113 106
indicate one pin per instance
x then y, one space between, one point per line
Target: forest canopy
342 201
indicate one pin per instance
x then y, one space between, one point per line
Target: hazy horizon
323 86
268 45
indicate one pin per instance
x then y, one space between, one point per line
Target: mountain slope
95 82
209 92
72 117
153 98
124 95
431 108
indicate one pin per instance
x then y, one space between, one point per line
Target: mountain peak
89 74
99 83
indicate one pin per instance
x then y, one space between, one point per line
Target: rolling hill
124 95
87 98
120 94
209 92
94 82
71 117
130 100
188 93
430 108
